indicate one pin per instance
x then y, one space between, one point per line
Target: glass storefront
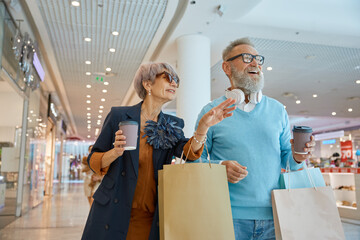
22 128
33 186
10 133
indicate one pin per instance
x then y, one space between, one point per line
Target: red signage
340 170
346 150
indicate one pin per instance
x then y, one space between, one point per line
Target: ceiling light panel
67 26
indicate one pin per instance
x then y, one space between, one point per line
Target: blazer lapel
134 114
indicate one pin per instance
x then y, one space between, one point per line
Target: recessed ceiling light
98 123
333 113
88 121
112 50
88 73
103 99
88 86
284 106
115 33
75 3
353 98
104 91
288 94
269 68
88 136
298 101
99 116
87 39
88 108
88 101
101 107
101 111
106 83
108 69
350 109
88 117
357 81
315 95
310 57
88 96
88 126
87 62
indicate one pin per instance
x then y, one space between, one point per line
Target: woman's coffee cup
302 135
130 131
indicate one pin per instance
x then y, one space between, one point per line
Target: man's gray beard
244 81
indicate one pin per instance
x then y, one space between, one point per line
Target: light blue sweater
259 140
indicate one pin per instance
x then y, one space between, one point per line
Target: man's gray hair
148 72
229 48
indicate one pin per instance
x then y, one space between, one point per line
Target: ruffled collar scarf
163 134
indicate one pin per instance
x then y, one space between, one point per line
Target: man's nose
254 63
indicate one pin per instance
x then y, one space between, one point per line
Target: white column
23 159
193 67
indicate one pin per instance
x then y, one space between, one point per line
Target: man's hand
235 172
310 147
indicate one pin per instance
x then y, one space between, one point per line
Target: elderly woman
125 204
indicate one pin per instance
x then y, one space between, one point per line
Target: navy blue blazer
109 215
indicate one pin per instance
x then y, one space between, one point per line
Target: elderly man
254 144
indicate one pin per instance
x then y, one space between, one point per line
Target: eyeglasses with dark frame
169 77
248 58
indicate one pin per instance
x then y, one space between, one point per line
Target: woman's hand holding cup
120 141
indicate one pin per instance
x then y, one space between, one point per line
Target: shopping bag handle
186 156
288 170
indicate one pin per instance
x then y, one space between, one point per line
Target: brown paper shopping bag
306 213
194 202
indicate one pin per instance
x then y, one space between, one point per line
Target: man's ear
226 68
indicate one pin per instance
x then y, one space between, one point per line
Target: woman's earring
149 92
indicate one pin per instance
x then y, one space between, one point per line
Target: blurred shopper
254 144
125 205
91 179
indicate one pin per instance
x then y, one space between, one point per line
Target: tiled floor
63 217
59 217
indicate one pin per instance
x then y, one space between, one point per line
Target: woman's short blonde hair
148 72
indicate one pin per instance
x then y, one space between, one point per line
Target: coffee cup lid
303 129
128 123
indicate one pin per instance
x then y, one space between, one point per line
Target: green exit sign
100 79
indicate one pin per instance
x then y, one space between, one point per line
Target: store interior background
309 47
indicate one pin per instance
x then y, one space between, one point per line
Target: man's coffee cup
130 131
302 135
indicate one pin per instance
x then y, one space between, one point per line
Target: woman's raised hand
218 113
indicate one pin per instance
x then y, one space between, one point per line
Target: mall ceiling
313 47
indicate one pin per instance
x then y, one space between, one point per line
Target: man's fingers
234 179
243 173
237 167
236 176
